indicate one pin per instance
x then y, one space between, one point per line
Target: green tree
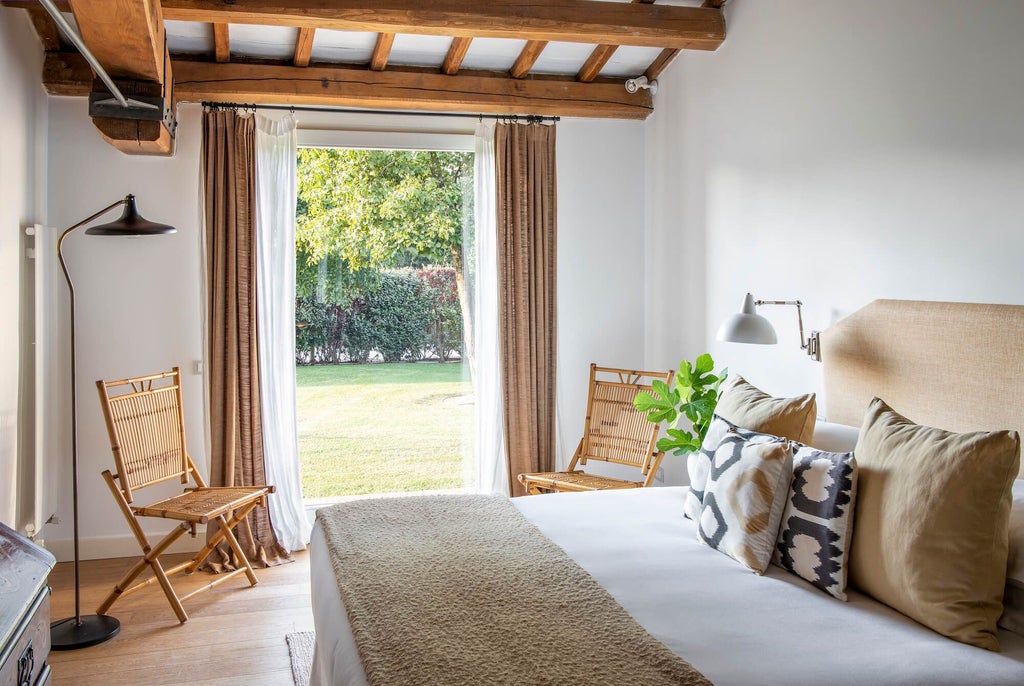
365 210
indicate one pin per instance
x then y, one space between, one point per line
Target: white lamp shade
747 326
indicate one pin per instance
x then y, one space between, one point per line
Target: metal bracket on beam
139 107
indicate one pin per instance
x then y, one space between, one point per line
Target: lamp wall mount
812 343
641 82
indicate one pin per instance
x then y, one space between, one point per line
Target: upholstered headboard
957 366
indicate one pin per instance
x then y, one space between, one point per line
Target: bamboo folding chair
147 436
615 431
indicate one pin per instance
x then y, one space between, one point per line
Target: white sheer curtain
275 301
492 473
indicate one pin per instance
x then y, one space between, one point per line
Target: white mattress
732 625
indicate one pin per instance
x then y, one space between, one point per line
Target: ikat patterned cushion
748 484
698 464
814 539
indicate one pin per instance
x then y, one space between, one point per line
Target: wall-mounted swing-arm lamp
748 326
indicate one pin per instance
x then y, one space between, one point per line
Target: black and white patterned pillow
814 539
698 464
747 489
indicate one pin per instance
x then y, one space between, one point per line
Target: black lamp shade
131 223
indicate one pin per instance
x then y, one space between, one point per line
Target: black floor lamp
78 631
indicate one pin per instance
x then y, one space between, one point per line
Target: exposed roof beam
660 62
468 91
527 58
577 21
456 53
598 58
127 37
221 42
382 51
45 27
303 46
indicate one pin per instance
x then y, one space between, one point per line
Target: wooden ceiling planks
130 47
576 21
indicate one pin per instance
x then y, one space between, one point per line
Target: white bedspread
732 625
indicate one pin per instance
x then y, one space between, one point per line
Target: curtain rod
529 118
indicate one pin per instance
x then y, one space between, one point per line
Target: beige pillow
751 408
748 410
933 510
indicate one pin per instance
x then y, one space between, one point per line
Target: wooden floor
234 635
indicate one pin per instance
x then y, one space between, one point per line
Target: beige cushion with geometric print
746 494
932 516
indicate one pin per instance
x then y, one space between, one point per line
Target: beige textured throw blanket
462 590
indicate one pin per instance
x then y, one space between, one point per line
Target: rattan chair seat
201 506
577 481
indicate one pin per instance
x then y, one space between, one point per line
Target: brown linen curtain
526 202
236 426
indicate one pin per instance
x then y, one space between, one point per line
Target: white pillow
834 438
1013 595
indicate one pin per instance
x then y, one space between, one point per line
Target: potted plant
695 396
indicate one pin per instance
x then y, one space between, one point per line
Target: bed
736 627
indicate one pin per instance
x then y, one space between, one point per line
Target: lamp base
69 634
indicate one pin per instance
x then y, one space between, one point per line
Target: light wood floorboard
234 634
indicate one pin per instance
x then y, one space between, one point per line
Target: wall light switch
197 367
660 475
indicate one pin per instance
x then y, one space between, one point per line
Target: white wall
600 262
22 137
836 153
139 304
139 300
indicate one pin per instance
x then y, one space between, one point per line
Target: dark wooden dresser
24 611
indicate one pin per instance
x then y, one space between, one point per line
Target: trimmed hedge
410 315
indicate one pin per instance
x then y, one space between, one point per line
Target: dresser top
24 567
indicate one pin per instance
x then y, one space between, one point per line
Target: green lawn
382 428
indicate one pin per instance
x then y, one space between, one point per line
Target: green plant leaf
704 364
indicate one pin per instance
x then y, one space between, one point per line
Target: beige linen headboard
956 366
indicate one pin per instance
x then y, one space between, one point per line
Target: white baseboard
104 547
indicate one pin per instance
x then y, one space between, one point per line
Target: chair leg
149 555
233 542
172 597
218 536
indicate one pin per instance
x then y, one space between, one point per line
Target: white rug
300 650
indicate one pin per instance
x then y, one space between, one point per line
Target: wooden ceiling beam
456 53
46 29
127 37
382 51
595 63
575 21
660 62
527 58
221 42
303 46
467 91
600 56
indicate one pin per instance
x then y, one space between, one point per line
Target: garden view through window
384 299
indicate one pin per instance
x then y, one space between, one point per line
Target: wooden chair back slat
146 428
